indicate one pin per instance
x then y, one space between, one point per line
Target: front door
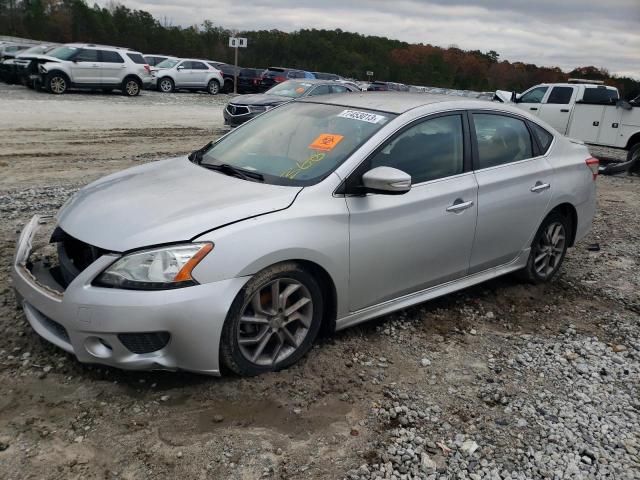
401 244
514 189
86 67
556 109
199 72
531 99
183 74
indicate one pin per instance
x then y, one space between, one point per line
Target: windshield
290 88
298 143
168 63
64 53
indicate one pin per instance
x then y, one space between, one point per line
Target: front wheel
273 321
166 85
57 83
213 87
548 249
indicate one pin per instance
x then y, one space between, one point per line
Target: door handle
533 108
459 205
540 187
564 110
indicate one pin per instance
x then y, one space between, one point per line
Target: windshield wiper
196 155
234 171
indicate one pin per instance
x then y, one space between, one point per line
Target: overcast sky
566 33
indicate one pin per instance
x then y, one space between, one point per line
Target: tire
57 83
166 85
633 158
228 86
213 87
270 340
131 87
552 239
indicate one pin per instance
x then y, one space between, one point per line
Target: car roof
315 81
396 102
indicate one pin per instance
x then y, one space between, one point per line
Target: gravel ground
504 380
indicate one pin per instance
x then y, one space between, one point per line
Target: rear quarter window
137 58
543 137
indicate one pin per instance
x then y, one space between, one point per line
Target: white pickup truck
590 112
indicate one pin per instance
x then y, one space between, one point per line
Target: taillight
147 68
594 165
279 79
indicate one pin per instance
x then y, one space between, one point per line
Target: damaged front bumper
138 330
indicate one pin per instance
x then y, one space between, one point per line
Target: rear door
401 244
199 73
531 100
557 107
514 188
85 67
111 67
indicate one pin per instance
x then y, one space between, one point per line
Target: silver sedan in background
324 212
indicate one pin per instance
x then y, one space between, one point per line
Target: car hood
163 202
261 99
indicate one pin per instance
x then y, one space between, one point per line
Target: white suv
88 66
187 74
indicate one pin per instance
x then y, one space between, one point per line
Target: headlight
157 269
258 108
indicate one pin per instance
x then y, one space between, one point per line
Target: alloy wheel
213 87
165 86
58 85
275 321
550 249
132 88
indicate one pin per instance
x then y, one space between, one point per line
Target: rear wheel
166 85
131 87
213 87
634 158
548 248
57 83
228 86
273 321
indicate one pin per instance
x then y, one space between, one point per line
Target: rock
217 418
164 398
179 455
425 362
469 447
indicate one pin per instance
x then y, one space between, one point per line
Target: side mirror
180 67
515 97
623 104
386 181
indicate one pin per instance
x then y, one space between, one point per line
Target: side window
501 139
599 95
427 151
320 90
186 65
544 138
560 95
198 66
87 55
110 57
534 96
338 89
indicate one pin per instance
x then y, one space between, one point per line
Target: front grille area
55 328
237 109
73 256
144 342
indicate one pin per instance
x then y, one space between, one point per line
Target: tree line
348 54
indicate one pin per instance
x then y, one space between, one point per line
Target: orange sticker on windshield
300 90
326 142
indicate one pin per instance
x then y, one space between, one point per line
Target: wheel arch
570 212
633 139
134 76
59 72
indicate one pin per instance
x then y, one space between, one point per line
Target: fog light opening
98 347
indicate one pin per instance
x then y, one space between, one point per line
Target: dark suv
274 75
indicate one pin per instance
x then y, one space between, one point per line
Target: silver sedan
321 213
